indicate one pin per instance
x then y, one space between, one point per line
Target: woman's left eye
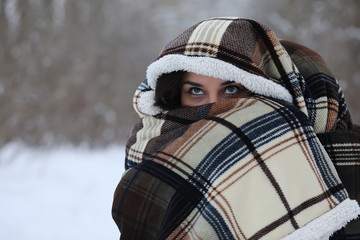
231 89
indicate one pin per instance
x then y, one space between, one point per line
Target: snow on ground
59 194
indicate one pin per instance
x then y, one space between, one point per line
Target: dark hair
168 90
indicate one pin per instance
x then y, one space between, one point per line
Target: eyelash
193 88
233 86
190 91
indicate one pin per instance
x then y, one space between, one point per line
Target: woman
238 138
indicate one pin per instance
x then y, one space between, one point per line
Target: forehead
201 79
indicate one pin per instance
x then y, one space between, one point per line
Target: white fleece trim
327 224
209 67
146 103
218 69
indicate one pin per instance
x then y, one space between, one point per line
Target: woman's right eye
196 91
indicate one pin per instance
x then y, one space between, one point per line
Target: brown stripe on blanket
262 164
241 61
199 129
295 211
269 42
202 49
301 140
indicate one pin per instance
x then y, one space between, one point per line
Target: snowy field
64 193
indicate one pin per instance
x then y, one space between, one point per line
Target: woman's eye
231 89
196 91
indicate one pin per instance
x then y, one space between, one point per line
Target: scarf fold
246 168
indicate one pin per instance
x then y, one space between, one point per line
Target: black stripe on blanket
274 56
291 213
297 210
262 164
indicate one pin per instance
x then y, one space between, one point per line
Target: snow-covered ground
63 193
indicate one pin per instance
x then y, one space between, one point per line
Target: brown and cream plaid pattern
256 168
238 169
228 39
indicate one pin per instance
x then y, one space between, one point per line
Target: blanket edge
330 222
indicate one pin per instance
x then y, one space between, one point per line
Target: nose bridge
213 97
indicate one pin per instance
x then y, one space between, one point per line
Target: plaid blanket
237 169
327 110
264 167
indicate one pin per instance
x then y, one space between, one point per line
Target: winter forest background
68 71
69 68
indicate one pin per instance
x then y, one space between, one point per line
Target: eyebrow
192 83
227 83
200 85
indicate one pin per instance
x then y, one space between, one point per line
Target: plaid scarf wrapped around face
237 169
257 168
